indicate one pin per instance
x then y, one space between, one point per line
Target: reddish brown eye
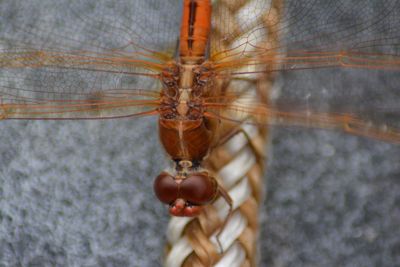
198 188
166 188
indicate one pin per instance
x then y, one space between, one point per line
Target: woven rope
239 165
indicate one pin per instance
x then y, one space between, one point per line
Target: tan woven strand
238 163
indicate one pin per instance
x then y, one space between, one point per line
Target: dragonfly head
187 193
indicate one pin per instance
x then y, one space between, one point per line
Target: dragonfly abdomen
195 30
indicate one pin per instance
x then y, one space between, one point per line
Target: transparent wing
340 63
313 33
58 62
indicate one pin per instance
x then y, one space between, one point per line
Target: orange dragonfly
99 66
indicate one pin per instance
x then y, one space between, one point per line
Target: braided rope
238 164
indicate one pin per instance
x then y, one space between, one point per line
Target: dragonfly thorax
184 86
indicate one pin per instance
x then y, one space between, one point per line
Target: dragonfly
177 70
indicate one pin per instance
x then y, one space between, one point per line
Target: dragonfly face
187 191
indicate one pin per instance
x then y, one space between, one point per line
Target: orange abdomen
195 29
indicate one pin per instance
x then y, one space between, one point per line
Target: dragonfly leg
225 195
236 130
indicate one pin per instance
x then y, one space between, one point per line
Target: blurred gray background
80 193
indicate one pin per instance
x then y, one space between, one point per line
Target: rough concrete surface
79 193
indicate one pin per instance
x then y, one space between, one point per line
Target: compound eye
198 188
166 188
